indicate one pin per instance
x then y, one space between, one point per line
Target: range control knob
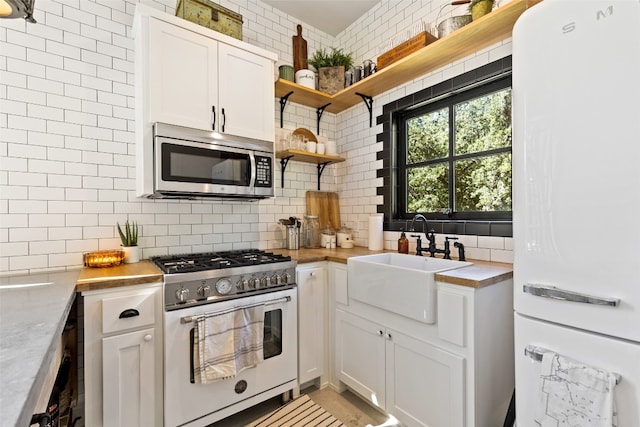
241 285
254 283
275 280
182 294
285 278
265 281
204 290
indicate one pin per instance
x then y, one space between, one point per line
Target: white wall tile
72 151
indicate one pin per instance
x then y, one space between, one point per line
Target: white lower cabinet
458 372
129 384
418 383
123 356
312 297
360 356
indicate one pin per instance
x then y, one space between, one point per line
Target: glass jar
311 232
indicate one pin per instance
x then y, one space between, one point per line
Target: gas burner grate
186 263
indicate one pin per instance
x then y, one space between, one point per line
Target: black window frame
448 102
441 223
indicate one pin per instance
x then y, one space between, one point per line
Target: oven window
272 333
191 164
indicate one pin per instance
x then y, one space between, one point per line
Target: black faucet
432 249
460 247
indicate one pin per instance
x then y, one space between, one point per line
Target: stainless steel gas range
203 285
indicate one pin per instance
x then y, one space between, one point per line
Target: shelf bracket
321 167
283 163
319 112
283 103
368 101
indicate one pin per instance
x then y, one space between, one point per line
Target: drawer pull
129 312
148 337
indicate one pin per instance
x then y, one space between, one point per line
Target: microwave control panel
263 171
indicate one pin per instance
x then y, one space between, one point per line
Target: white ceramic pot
306 78
131 254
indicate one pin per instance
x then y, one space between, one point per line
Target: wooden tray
405 49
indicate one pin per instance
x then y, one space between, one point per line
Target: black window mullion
451 160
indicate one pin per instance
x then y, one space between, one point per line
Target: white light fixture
17 9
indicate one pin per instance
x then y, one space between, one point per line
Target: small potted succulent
129 239
331 66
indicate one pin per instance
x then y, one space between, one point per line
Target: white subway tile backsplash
501 255
47 247
74 72
28 263
491 242
65 233
63 206
27 234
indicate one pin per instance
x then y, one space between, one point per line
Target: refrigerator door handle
560 294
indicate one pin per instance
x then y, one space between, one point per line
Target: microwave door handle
252 180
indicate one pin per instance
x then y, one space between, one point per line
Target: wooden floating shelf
322 160
491 28
307 157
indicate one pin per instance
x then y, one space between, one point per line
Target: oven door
192 404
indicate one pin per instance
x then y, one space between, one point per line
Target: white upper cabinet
188 75
246 93
183 76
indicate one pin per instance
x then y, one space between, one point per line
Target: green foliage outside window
473 159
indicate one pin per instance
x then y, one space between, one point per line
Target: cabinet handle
388 336
213 110
130 312
224 120
148 337
380 333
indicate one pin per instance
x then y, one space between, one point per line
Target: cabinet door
128 382
246 94
183 76
311 320
425 384
360 356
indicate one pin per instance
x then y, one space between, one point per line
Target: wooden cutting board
325 205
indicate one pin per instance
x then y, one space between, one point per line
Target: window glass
483 123
454 155
428 136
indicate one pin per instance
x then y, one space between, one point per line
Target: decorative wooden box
405 49
211 15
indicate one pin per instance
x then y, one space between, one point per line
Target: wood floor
347 407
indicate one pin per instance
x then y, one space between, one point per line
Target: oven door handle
192 375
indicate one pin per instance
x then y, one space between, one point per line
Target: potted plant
129 239
331 66
479 8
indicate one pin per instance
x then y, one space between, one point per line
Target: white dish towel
227 342
572 394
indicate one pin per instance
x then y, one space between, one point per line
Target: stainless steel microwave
191 163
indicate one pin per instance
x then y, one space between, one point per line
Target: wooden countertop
478 275
91 279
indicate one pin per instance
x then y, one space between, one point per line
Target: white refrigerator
576 210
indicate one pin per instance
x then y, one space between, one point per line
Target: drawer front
127 312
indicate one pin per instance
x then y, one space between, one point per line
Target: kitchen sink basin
402 284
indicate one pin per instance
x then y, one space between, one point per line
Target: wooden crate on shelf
406 48
211 15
